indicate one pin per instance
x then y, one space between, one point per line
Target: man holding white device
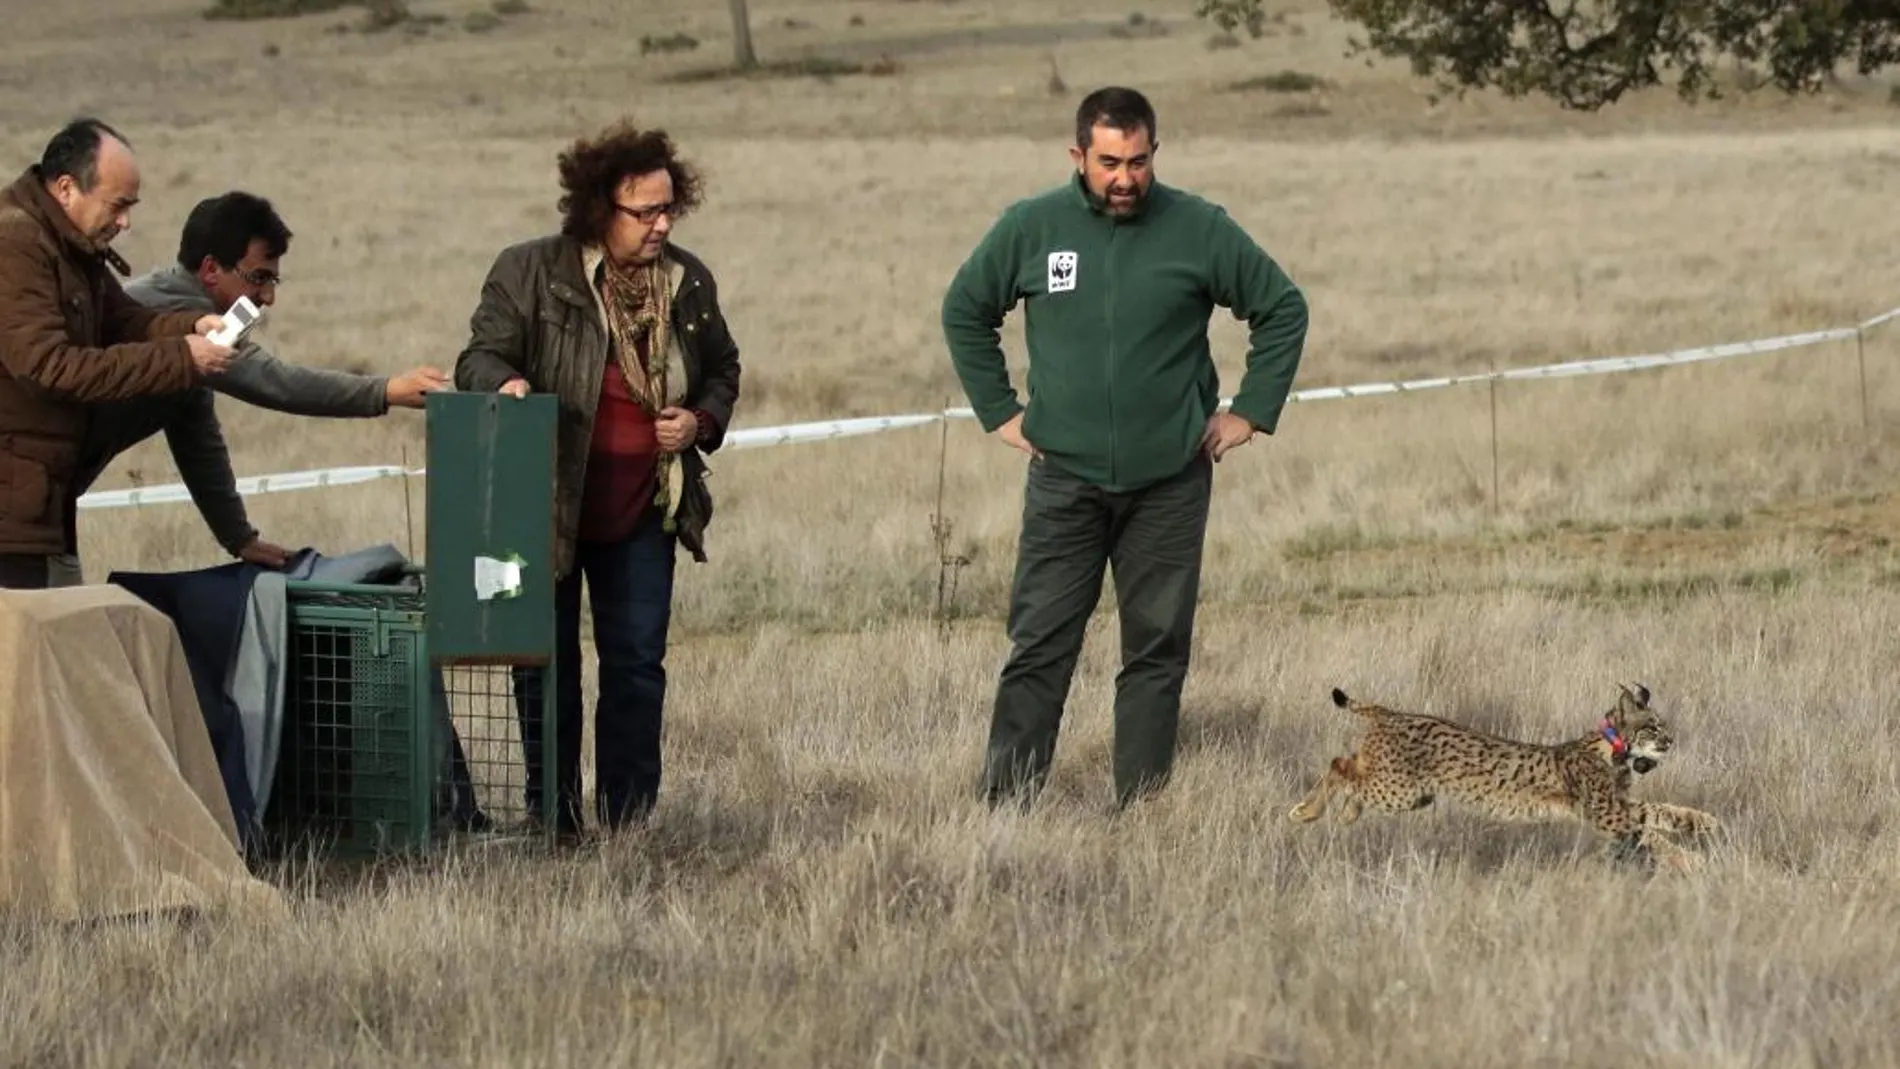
70 338
238 321
228 262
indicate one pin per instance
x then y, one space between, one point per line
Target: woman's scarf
639 307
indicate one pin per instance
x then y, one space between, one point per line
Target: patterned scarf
640 306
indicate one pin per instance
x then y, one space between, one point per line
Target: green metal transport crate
408 717
359 763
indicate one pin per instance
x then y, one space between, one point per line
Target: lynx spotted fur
1405 761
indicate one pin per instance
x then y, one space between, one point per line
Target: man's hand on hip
207 357
265 554
676 429
1226 431
1011 432
411 389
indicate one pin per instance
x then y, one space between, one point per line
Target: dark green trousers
1073 532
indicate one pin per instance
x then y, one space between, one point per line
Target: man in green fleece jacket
1119 275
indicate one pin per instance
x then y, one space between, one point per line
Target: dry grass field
820 886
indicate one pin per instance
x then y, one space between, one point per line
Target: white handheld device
238 322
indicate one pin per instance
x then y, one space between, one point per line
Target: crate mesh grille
488 724
368 761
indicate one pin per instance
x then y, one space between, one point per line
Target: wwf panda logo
1062 267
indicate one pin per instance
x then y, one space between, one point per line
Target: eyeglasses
257 276
650 213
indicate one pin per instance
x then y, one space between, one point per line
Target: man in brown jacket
70 337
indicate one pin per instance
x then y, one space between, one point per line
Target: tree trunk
742 56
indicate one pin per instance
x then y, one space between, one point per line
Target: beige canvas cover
110 798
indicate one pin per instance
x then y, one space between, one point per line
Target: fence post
948 563
1860 358
1497 506
939 524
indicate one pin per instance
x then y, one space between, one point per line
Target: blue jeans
630 589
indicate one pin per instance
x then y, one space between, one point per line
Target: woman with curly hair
624 327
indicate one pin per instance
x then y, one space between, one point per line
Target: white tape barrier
754 437
825 430
256 484
750 438
1608 365
1884 317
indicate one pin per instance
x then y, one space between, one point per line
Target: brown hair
592 169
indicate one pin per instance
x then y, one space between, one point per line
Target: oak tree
1585 54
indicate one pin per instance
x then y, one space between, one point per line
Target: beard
1138 196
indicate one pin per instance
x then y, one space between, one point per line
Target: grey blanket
256 680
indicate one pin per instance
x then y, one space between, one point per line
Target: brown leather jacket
538 319
69 338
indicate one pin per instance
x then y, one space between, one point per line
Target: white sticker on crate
498 578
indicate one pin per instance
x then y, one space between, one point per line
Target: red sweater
621 460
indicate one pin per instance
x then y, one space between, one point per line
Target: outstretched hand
411 389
